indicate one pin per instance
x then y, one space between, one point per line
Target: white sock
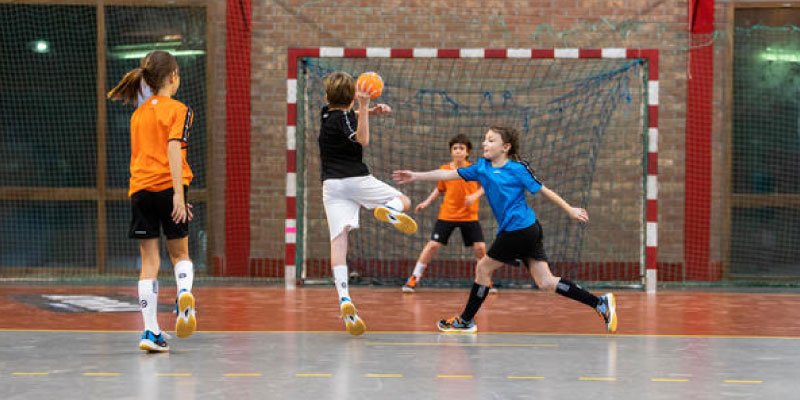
395 204
148 300
340 280
418 270
184 275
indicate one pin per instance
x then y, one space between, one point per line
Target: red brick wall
278 25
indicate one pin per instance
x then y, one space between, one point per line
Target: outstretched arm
578 214
362 133
425 203
406 176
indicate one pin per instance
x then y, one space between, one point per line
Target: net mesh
581 125
765 220
64 209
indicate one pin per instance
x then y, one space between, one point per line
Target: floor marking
29 373
101 374
384 375
243 375
313 375
453 344
744 381
377 333
454 376
669 380
598 378
532 377
179 374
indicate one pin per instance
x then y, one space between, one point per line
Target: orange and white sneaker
607 308
493 290
186 321
411 283
401 221
352 323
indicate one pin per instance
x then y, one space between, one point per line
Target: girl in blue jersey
505 179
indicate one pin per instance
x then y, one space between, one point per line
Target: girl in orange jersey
459 209
160 178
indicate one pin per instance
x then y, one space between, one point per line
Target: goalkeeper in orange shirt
459 209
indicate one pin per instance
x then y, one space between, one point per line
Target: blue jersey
505 190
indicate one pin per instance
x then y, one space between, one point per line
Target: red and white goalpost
651 190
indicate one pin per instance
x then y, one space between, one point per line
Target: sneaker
401 221
607 308
354 325
493 290
457 325
186 322
153 343
411 283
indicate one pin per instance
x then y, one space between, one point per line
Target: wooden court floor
271 308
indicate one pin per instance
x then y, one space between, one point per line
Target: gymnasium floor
264 342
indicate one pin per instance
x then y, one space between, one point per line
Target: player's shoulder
175 105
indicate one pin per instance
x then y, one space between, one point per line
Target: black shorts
521 245
470 231
151 212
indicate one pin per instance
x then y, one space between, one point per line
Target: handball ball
371 83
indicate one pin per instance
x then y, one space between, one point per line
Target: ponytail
127 90
153 69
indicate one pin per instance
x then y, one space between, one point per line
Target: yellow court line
669 380
384 375
29 373
454 376
744 381
487 333
453 344
101 374
181 374
313 375
598 378
243 375
532 377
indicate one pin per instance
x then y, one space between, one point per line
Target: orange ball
371 83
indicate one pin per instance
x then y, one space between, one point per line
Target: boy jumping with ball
346 182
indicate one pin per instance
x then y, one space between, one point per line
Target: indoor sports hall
675 125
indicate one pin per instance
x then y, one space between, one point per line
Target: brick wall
278 25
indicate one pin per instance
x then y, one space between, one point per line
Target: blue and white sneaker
153 343
457 325
607 308
354 325
186 322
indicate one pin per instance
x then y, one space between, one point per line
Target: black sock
476 297
575 292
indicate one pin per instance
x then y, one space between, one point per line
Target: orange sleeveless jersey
154 124
454 206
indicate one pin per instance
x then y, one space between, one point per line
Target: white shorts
343 198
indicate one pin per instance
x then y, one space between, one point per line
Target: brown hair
340 88
461 139
510 136
154 68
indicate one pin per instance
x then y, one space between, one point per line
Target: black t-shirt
341 154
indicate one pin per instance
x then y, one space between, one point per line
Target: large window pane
48 102
58 234
766 101
131 33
